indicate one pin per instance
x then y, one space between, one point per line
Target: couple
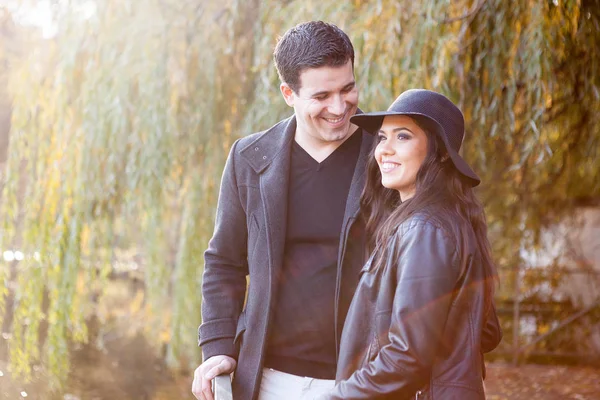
368 264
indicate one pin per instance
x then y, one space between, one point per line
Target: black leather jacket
421 320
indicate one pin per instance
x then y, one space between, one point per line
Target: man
287 217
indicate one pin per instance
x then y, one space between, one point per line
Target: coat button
256 149
264 157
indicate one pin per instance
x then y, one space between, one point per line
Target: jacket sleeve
492 332
225 269
490 336
427 270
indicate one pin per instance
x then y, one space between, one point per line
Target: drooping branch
469 15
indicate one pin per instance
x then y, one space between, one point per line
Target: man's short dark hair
311 44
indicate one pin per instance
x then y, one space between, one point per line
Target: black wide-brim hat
442 116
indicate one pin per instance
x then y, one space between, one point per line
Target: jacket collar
261 152
272 142
359 177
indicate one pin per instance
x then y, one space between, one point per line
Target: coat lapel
350 214
358 180
269 155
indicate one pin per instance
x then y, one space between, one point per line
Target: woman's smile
388 166
401 149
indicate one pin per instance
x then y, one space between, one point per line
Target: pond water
128 369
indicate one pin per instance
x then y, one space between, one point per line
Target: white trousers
277 385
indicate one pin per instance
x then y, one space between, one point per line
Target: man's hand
204 374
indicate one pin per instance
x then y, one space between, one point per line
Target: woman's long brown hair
439 186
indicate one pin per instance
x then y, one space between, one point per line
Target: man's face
326 100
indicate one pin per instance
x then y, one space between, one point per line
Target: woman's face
400 152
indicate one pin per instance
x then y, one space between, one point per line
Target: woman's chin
389 185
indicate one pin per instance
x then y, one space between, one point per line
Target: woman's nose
385 148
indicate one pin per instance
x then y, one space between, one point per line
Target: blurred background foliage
121 119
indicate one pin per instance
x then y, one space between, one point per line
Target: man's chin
336 138
340 134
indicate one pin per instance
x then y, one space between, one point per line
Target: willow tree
121 124
120 127
525 74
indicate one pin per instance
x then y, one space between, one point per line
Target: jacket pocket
240 329
368 266
368 355
379 335
253 235
383 320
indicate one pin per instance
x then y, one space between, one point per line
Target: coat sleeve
225 269
492 332
491 336
427 270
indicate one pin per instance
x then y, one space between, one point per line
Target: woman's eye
380 138
403 136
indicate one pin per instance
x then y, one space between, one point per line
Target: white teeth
388 165
335 120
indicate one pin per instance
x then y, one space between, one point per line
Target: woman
423 312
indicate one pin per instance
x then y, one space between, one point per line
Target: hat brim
371 122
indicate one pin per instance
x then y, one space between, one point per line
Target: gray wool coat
249 239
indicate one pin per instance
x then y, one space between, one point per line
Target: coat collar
261 152
269 144
359 177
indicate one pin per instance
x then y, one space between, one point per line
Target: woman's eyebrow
397 130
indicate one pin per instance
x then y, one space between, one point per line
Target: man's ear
288 94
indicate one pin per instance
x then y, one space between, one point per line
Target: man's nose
337 106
